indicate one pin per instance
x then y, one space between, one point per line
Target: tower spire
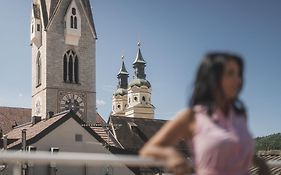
123 75
139 64
119 99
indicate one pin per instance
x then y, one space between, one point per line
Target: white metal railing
72 158
92 159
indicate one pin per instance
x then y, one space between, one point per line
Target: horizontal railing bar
96 159
74 158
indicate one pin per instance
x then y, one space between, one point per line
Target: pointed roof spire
139 58
122 80
123 69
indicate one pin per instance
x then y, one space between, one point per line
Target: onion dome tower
119 99
139 91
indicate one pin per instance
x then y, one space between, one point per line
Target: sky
174 36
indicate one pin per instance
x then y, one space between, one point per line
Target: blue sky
174 36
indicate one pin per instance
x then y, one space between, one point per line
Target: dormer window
36 28
72 24
73 19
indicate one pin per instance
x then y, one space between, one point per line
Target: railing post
17 168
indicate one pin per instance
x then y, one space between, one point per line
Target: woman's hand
177 163
263 168
174 160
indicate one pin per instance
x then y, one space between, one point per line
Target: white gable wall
63 137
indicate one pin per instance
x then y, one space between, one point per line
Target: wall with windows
139 103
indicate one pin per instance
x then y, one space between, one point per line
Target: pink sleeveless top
221 145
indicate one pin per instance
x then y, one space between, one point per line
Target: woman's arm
263 168
161 145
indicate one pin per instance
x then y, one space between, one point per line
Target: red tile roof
32 130
9 116
106 135
100 120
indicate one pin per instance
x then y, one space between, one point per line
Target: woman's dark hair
208 80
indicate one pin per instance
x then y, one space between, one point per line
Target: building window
38 27
70 67
143 98
73 11
78 138
118 106
76 70
136 98
65 68
71 22
75 22
38 70
73 19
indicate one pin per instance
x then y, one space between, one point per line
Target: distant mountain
270 142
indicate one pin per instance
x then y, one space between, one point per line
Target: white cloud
100 102
20 95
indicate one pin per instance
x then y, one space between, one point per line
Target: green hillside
270 142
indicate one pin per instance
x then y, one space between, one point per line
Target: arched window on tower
65 68
70 67
71 22
73 19
38 70
76 70
75 22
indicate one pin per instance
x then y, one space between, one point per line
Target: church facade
63 41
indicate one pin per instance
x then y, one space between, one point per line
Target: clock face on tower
73 101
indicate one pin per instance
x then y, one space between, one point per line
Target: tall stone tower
139 91
63 40
119 99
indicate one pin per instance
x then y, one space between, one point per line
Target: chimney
14 124
35 119
23 139
50 114
5 142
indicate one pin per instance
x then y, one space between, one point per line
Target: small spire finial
122 54
139 44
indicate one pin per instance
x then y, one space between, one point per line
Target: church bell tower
63 41
119 99
139 91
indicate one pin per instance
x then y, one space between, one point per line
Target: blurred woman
214 126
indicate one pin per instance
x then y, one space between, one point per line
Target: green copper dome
139 82
120 91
